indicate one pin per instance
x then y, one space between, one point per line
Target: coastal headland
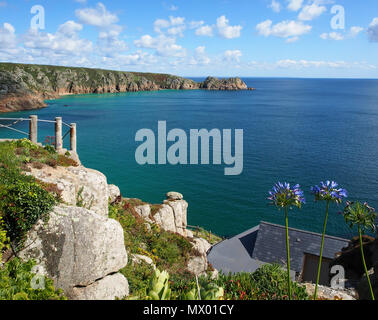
26 87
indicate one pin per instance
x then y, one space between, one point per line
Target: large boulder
77 248
114 193
165 218
201 245
197 265
79 186
179 208
108 288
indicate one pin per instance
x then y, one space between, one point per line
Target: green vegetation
23 201
3 239
209 236
269 282
17 281
22 205
85 76
169 251
363 216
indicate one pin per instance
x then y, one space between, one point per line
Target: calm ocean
295 130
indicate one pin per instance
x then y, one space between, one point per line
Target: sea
294 130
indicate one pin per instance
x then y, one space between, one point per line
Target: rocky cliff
25 87
83 250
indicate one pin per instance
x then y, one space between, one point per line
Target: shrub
3 239
50 149
139 277
16 278
22 205
269 282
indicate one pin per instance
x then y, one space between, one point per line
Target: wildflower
283 196
363 216
329 192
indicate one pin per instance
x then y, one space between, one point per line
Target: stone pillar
73 137
33 129
58 134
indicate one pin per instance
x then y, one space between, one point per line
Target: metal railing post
33 129
73 137
58 134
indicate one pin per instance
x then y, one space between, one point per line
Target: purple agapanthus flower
284 196
329 191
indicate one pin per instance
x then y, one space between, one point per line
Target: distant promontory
26 87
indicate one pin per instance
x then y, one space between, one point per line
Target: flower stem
321 251
363 261
288 253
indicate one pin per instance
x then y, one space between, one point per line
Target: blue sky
262 38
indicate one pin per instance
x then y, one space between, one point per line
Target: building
266 243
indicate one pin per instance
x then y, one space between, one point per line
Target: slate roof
266 243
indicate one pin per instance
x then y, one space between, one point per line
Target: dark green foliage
139 277
22 199
50 149
361 215
269 282
22 204
16 279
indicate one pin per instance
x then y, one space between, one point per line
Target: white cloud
205 31
8 39
227 31
174 26
232 55
310 12
373 30
109 44
200 57
295 5
164 46
70 28
352 33
64 42
98 17
81 1
299 64
173 8
284 29
275 6
196 24
355 31
332 36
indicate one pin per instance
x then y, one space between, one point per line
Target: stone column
73 137
58 134
33 129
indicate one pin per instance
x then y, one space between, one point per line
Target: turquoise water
296 130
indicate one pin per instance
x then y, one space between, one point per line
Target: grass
208 235
22 153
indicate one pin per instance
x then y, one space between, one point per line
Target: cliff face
25 87
83 250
